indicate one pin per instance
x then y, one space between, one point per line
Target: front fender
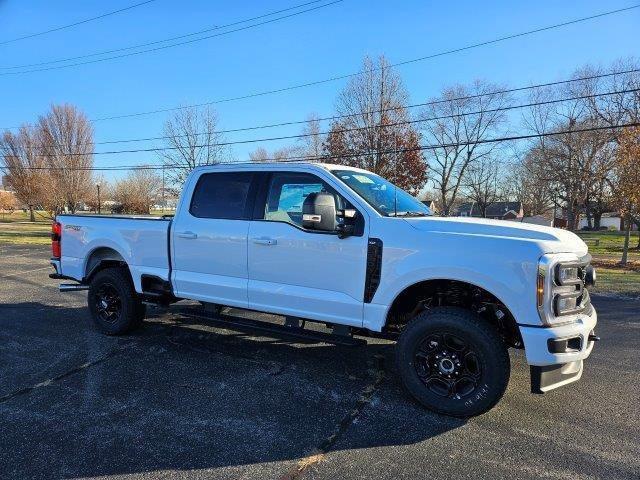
505 267
509 295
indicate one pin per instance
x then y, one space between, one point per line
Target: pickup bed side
86 240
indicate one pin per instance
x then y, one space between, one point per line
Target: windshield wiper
408 214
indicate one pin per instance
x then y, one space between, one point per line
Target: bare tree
574 160
623 105
481 185
25 168
627 186
138 191
312 141
620 107
524 184
459 120
373 132
261 154
192 139
65 138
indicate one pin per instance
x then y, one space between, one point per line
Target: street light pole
98 187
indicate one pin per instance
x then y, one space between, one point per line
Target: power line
185 42
415 105
284 89
342 130
317 158
87 20
179 37
390 109
342 77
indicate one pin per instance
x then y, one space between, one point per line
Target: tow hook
593 338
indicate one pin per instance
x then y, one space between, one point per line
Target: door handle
188 235
265 241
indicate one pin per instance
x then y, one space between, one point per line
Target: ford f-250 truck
347 248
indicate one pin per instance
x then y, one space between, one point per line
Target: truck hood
551 240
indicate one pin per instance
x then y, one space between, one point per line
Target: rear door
209 239
300 272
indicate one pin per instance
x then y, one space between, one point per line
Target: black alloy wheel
453 362
115 306
447 366
107 303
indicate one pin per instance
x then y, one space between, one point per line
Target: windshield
382 195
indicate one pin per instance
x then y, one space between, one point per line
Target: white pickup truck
347 248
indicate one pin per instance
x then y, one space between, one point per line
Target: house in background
543 220
496 210
431 204
608 221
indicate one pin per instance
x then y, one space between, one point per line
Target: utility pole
98 187
163 199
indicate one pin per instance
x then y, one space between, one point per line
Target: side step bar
241 323
72 287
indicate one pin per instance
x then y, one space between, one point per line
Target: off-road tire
115 285
488 368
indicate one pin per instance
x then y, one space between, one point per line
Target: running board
230 321
72 287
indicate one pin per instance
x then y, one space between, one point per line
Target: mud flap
550 377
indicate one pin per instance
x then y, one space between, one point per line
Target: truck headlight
567 274
566 304
560 291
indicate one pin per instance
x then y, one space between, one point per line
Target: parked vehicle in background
345 247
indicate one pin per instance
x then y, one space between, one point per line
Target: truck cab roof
238 166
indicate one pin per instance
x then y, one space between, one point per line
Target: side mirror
319 212
345 230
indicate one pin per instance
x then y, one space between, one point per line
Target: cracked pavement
186 397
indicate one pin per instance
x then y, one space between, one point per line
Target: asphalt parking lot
188 397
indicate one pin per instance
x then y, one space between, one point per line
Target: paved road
186 398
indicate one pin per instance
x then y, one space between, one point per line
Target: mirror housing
319 212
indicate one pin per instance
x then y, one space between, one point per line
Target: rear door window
222 195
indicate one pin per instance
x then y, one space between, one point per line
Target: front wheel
453 362
113 302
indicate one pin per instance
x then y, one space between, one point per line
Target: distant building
495 210
538 220
608 221
431 204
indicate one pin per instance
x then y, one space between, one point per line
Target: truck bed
142 242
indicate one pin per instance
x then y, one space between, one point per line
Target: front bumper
556 354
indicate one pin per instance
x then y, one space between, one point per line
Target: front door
300 272
209 240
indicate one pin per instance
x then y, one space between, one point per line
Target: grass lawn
616 280
38 233
610 244
15 228
20 216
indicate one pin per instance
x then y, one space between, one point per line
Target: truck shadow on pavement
185 394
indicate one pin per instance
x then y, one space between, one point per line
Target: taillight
56 236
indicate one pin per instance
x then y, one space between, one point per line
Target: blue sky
316 45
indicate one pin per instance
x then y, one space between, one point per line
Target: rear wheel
114 304
453 362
